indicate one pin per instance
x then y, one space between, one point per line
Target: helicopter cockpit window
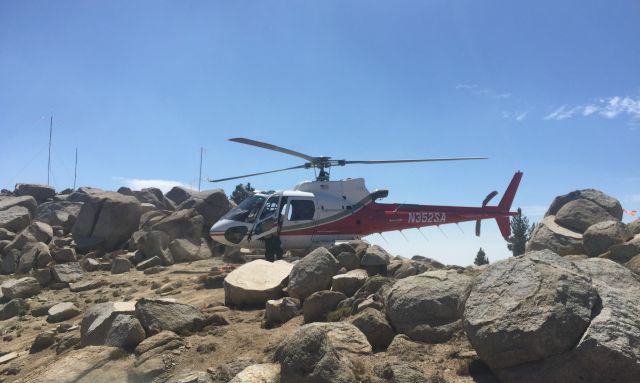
271 207
247 210
301 210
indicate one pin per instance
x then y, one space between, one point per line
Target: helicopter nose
228 232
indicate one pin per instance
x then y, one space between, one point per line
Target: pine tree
520 233
481 258
242 192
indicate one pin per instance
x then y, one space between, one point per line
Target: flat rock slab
67 272
86 285
20 288
157 315
259 373
62 311
254 283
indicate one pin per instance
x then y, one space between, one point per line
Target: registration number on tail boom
427 217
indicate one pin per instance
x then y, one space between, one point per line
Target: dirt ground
215 346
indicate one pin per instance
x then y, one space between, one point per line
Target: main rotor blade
264 145
375 162
257 174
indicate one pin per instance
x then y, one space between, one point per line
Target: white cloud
139 183
518 116
605 107
480 91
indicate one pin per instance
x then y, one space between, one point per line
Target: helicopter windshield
247 210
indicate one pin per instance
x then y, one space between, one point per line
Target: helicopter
323 212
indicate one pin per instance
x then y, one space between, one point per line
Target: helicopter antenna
405 237
385 240
460 227
325 163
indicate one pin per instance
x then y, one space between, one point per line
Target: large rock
623 252
155 197
607 350
321 352
155 244
111 324
211 204
61 213
601 236
425 306
375 256
319 304
634 226
579 214
525 309
185 224
35 255
35 232
107 218
158 315
349 282
24 201
610 204
15 219
375 327
312 273
40 192
179 194
254 283
20 288
183 250
548 235
634 264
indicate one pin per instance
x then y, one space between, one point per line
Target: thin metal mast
49 160
200 176
75 170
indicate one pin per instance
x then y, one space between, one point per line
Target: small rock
375 256
43 340
77 287
62 311
67 272
375 327
20 288
63 255
90 264
14 307
148 263
120 266
281 310
154 270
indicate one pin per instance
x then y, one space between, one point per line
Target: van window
301 210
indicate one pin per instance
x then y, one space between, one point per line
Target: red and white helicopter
321 212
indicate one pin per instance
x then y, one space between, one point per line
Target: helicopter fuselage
319 213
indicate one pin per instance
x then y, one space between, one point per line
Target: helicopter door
267 223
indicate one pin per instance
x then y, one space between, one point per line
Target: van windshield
247 210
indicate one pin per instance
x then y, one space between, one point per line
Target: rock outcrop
425 306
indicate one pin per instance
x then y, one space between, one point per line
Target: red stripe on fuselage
378 218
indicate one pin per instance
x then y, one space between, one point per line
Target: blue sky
550 88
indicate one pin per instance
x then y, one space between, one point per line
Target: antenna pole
75 170
200 176
49 159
